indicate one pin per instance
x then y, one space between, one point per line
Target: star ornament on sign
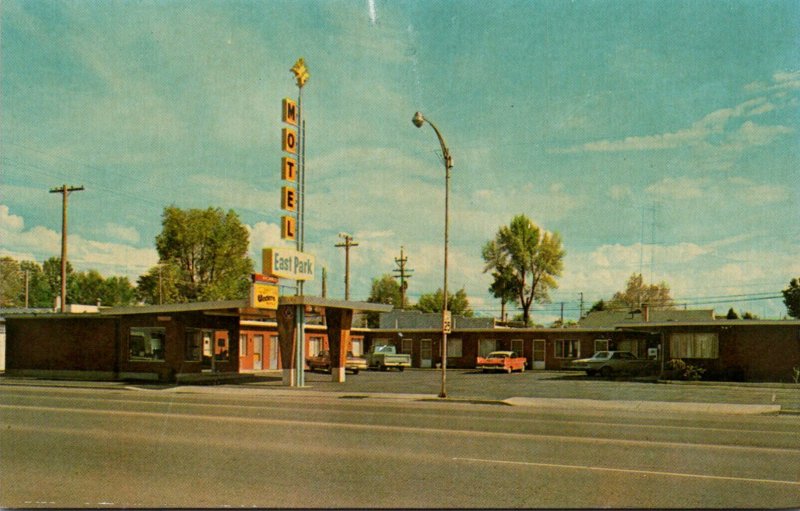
300 72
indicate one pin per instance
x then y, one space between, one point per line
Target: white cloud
122 232
706 189
679 188
620 192
40 243
705 132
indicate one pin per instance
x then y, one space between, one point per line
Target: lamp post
418 121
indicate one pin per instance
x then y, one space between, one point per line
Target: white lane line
402 429
628 471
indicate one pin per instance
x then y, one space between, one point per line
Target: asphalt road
471 384
245 447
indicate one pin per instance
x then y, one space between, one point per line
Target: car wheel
606 372
590 372
508 370
355 371
401 368
382 367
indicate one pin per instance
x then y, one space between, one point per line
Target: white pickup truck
385 356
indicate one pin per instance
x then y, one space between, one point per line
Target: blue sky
659 137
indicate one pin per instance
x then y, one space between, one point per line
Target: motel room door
273 352
538 354
258 352
425 353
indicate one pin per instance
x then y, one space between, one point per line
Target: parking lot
472 384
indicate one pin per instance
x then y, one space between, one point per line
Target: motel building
221 341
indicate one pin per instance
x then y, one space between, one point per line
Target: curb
645 406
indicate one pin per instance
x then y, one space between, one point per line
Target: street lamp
418 121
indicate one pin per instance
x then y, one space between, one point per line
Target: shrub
683 371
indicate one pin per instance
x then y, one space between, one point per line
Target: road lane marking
256 405
629 471
404 429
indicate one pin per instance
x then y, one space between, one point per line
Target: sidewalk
543 390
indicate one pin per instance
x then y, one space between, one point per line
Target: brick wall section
60 344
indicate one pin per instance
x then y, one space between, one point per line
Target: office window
694 345
147 343
454 348
600 345
242 345
567 349
193 347
357 347
407 346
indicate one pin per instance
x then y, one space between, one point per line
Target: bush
680 370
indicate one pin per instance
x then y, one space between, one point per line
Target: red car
507 361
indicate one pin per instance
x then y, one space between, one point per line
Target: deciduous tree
531 256
384 290
791 297
209 248
638 293
457 304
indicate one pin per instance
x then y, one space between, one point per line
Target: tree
117 291
732 314
209 248
791 297
504 287
39 292
637 293
457 304
11 282
384 290
599 305
52 275
532 257
160 285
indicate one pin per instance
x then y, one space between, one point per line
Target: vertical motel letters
289 143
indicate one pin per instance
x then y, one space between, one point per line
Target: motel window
242 345
147 344
314 346
357 347
486 346
454 348
567 349
694 345
600 345
407 346
517 347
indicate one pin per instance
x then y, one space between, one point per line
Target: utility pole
64 191
348 242
324 282
581 316
27 286
403 275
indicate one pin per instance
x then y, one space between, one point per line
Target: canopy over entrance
338 318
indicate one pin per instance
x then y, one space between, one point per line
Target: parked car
507 361
608 363
385 356
323 361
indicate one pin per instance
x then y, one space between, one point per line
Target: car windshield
601 354
496 355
